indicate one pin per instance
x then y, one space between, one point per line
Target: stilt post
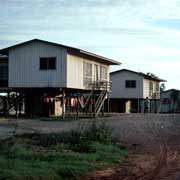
63 103
16 105
77 107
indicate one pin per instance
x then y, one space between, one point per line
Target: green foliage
162 87
59 156
19 150
98 132
80 139
152 75
56 165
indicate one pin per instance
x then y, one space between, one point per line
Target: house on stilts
130 90
54 79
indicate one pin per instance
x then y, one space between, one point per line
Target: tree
151 75
162 87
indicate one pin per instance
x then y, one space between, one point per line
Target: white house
130 89
40 68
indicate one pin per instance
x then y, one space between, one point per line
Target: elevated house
55 78
170 101
130 89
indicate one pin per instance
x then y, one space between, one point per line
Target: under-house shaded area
123 105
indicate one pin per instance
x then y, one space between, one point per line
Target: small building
130 89
52 76
170 101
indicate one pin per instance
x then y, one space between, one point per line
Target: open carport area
153 142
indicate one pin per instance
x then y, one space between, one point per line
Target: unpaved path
153 142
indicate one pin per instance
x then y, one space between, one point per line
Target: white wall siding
118 85
75 71
24 70
146 87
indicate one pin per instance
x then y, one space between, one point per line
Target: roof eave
110 61
139 73
154 79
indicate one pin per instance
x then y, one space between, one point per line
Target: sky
143 35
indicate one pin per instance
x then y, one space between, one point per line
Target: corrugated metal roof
108 61
139 73
177 90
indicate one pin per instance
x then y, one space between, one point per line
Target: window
150 86
150 89
87 73
47 63
103 73
157 87
130 84
3 75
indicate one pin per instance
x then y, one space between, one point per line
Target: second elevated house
130 89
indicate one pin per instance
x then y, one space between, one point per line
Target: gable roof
77 51
170 90
139 73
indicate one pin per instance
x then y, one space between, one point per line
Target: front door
128 106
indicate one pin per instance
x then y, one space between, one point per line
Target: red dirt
162 164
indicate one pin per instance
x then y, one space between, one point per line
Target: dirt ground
153 142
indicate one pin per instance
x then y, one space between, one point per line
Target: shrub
78 140
19 150
98 132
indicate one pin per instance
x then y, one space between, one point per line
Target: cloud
139 33
167 23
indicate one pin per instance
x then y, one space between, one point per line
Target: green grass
58 156
19 161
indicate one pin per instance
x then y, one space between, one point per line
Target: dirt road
153 142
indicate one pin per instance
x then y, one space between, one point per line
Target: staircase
96 98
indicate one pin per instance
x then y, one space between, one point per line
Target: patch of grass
22 164
68 155
78 140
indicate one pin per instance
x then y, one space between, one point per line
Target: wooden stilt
108 103
77 107
103 109
32 105
155 105
63 103
8 100
16 105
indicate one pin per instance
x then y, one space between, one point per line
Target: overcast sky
143 35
